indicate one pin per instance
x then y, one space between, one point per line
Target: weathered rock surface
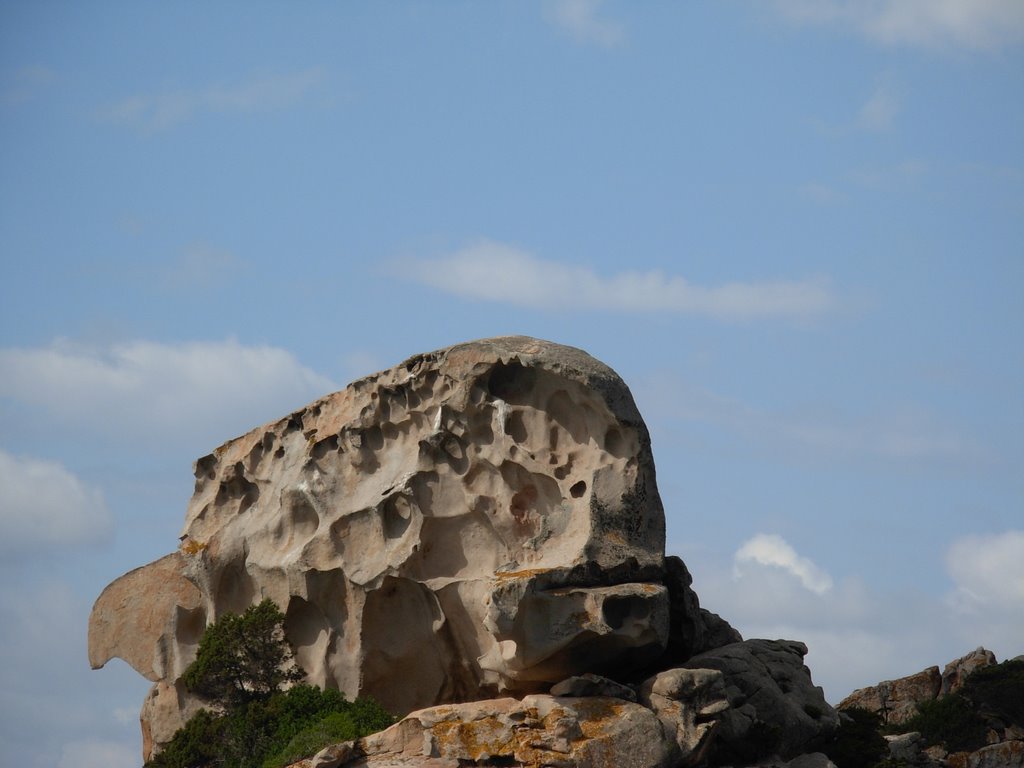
957 671
480 519
454 536
539 730
774 706
1008 754
896 700
689 703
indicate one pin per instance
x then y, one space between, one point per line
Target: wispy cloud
879 111
205 392
582 19
977 24
159 111
491 271
23 84
819 193
904 434
771 550
200 265
43 505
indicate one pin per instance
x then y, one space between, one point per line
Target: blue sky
795 228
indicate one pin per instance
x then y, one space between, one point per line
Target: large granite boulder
775 708
479 520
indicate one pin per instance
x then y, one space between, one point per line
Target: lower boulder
539 730
775 708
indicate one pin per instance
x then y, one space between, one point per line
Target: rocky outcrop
453 536
895 701
774 706
957 671
985 709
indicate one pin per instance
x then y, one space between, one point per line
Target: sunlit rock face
479 519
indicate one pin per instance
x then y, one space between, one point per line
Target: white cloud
772 550
988 572
93 753
165 109
206 391
492 271
879 110
859 635
42 504
581 19
975 24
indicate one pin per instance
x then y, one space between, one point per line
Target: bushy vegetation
243 658
959 722
992 695
241 664
951 721
857 742
998 692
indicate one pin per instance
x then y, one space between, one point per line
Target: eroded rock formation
477 522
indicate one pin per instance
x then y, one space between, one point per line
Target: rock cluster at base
672 726
475 537
897 701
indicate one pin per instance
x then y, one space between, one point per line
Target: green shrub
998 691
332 729
241 664
857 742
950 721
196 743
243 658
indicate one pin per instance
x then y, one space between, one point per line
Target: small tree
243 658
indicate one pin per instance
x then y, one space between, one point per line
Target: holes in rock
205 467
616 610
237 486
515 428
614 443
578 489
563 471
279 453
321 448
305 520
522 502
255 455
481 433
373 438
189 625
570 416
511 382
396 517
